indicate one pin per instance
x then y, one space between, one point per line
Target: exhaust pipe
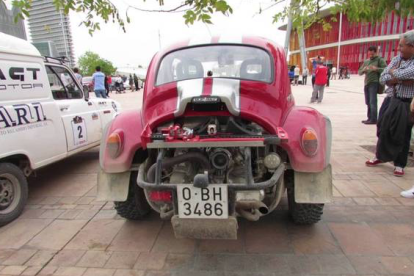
251 210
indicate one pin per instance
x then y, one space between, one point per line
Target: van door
80 118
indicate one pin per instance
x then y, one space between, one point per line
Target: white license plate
206 203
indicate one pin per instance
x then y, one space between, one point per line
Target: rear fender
130 123
113 186
298 119
314 188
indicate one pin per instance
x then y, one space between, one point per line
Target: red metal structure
355 40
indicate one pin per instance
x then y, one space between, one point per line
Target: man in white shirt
77 75
333 73
297 74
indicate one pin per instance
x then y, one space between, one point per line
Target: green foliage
194 10
304 12
201 10
89 61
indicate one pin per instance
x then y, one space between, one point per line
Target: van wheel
136 206
303 213
13 192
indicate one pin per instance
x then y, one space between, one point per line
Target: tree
303 12
89 61
194 10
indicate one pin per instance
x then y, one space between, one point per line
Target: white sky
141 41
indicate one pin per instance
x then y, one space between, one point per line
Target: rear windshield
217 61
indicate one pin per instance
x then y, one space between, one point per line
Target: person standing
315 61
136 81
394 124
321 76
297 74
328 77
106 86
109 78
305 76
372 69
131 83
98 80
77 75
333 73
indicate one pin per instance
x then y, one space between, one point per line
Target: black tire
303 213
13 192
136 206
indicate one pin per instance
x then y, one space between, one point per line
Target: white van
45 116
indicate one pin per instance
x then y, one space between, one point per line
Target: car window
62 84
217 61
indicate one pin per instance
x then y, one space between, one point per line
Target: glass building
7 24
50 25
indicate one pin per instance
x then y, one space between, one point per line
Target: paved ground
367 230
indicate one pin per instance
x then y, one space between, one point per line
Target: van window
62 84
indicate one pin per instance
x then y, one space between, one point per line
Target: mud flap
205 228
314 187
113 186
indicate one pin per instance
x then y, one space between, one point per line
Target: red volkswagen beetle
218 137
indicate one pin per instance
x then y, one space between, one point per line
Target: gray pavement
367 230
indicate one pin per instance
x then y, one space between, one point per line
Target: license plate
206 203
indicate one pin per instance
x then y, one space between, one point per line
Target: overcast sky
141 40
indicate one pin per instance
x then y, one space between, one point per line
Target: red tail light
309 142
164 196
115 143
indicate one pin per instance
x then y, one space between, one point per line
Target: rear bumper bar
249 185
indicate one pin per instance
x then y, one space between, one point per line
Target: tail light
164 196
309 142
115 143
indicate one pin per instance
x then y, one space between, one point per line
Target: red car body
218 137
271 105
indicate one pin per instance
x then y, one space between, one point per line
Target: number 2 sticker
79 131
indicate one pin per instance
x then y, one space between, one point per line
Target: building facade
353 40
7 24
47 24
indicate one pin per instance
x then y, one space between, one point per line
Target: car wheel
13 192
136 206
303 213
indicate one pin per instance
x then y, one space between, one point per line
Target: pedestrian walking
297 74
305 73
136 81
333 73
98 80
321 75
372 69
394 123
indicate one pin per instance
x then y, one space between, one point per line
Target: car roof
14 45
222 39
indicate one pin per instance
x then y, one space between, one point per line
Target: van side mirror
86 92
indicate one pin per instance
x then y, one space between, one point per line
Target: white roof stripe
231 38
197 40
